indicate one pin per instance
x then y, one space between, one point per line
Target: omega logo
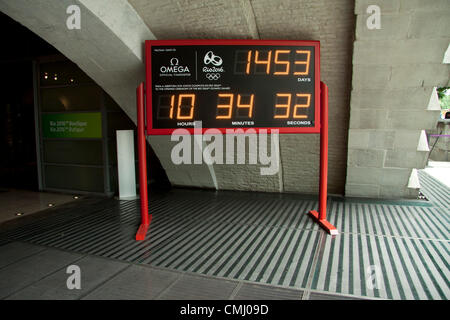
174 67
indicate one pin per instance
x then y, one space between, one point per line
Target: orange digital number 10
185 107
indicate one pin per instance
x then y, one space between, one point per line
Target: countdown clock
233 84
229 84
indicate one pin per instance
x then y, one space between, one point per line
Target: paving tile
324 296
190 287
236 235
93 271
15 251
257 292
18 275
135 283
27 202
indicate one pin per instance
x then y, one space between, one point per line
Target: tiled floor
233 245
35 272
26 202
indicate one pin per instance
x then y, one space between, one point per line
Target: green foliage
444 97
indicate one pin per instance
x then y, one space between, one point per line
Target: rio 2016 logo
210 57
212 72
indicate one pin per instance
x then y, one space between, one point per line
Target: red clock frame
320 124
148 86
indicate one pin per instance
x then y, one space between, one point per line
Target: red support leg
145 217
321 216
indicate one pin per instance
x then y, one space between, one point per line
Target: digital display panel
232 84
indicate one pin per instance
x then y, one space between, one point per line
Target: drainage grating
438 193
264 238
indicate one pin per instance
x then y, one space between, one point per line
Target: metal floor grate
265 238
434 190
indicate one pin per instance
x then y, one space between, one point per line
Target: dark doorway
21 102
18 163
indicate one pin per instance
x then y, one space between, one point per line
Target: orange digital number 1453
260 62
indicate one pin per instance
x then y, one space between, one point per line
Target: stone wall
331 22
395 71
392 79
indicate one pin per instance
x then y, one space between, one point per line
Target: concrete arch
109 47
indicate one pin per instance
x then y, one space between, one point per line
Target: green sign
72 125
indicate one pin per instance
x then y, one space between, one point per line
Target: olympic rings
213 76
